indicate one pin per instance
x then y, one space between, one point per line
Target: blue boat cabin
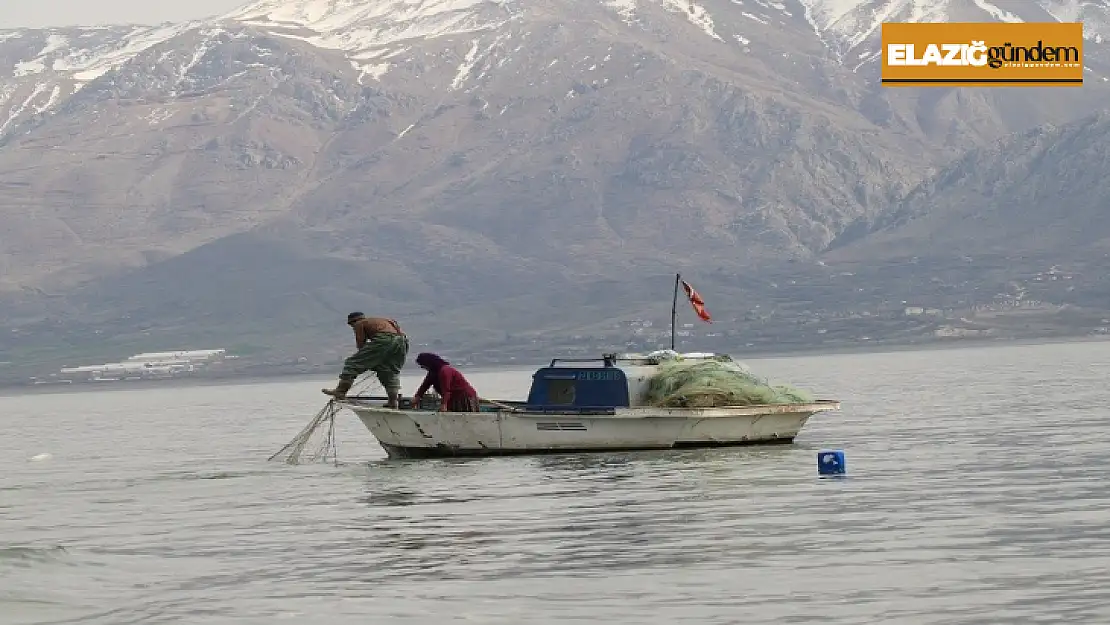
579 389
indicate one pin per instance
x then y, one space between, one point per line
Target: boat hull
427 434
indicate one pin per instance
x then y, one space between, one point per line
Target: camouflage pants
384 354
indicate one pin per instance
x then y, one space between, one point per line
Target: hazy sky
37 13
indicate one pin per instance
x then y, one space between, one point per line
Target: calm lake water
977 493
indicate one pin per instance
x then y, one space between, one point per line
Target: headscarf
430 361
433 363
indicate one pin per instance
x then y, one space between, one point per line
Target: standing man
382 348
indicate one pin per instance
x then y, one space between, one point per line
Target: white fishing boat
580 406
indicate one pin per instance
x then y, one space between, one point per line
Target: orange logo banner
986 54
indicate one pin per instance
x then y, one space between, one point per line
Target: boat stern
743 425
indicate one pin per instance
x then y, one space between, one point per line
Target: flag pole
674 307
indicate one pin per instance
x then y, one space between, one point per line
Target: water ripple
976 495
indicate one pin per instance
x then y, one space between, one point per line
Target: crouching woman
449 382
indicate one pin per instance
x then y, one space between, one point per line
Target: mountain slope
147 163
506 186
291 160
196 141
1041 193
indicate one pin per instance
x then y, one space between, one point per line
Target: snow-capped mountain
41 68
371 33
521 142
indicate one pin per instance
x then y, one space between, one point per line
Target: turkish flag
697 302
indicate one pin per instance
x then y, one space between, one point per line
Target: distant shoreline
864 347
886 348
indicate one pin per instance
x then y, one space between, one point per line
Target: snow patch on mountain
42 68
853 21
85 54
693 12
1095 15
997 12
624 8
696 13
369 31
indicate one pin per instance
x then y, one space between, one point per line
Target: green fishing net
714 383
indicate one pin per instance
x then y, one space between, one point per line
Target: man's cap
354 316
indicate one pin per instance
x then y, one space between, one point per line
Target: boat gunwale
520 409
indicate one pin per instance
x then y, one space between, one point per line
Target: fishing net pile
713 383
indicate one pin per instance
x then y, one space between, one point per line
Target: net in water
713 383
316 442
318 438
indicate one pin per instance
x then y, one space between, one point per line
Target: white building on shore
195 355
149 365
